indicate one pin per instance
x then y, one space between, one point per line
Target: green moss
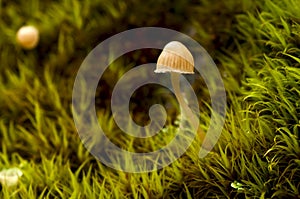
255 45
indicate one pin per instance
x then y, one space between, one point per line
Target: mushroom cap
10 177
175 57
28 37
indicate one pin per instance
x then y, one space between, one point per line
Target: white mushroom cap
10 177
175 57
28 37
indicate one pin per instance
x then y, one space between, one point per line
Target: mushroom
28 37
177 59
10 177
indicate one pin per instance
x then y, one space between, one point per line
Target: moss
256 47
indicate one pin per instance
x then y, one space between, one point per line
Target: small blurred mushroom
10 177
28 37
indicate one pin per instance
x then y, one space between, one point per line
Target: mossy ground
256 47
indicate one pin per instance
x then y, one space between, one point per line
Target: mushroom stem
175 80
